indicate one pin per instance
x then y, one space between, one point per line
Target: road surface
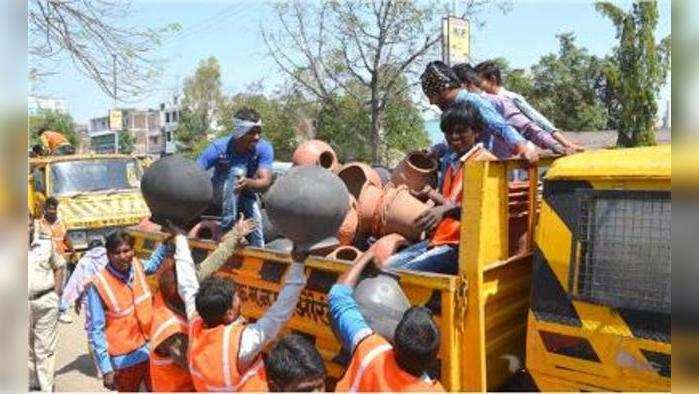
75 370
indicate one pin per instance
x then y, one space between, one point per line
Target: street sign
456 40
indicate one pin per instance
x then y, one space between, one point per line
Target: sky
231 32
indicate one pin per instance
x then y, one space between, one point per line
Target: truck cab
96 193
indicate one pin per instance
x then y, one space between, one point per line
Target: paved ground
75 370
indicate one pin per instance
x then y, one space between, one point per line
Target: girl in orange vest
119 314
461 126
378 365
224 350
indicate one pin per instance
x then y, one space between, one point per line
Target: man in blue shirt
443 88
242 164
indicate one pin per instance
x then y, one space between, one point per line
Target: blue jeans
246 202
443 259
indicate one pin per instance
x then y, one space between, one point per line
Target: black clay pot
177 189
307 205
270 233
282 245
382 303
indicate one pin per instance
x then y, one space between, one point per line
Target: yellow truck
560 289
96 193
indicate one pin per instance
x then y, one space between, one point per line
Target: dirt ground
75 370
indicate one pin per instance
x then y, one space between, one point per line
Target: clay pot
268 231
316 153
387 246
307 205
382 303
348 228
147 225
398 211
348 253
364 185
206 229
282 245
177 189
416 170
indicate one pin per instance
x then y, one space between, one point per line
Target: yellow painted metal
640 163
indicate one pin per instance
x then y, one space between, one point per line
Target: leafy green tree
126 142
642 69
52 120
200 106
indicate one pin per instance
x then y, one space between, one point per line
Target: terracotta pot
348 253
348 228
307 205
387 246
316 153
397 212
206 229
357 172
384 173
177 189
416 170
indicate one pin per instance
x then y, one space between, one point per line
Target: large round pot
382 303
397 212
417 170
348 253
363 184
177 189
348 228
282 245
307 205
268 231
316 153
358 173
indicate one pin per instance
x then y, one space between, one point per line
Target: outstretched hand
241 229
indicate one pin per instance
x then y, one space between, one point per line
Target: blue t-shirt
221 155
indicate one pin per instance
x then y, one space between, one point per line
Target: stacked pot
380 208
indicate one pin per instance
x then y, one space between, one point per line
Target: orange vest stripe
448 231
166 376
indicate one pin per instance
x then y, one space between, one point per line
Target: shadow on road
82 364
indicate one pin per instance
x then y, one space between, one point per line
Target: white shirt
42 260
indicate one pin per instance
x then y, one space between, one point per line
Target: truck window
94 175
38 175
623 250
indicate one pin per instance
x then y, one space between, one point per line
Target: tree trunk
376 121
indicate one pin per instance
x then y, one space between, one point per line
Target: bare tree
92 34
359 48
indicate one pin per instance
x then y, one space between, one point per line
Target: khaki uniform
43 259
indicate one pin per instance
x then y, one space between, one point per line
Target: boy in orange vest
294 365
55 143
462 127
119 314
224 350
378 365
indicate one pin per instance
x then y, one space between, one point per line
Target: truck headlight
78 238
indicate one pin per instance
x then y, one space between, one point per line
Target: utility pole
114 75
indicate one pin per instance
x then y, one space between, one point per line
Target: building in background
36 104
84 145
169 118
142 124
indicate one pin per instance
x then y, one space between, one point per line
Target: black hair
116 238
247 113
37 149
41 130
95 243
293 359
460 115
490 70
416 340
51 202
466 73
214 299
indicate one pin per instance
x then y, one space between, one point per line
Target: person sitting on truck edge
376 364
242 164
294 365
119 314
54 142
509 111
491 82
443 89
461 126
224 351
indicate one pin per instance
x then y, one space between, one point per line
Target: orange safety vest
57 231
448 231
213 359
165 375
127 310
373 368
53 139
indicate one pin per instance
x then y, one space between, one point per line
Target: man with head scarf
443 88
242 164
